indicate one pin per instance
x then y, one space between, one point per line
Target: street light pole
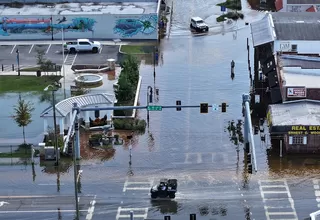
55 128
18 61
63 61
149 100
75 173
51 28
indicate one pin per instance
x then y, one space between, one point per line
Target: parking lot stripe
74 59
48 48
31 48
101 49
13 48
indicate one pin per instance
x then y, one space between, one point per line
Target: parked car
82 45
198 24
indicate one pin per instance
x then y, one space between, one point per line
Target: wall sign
297 129
285 46
299 92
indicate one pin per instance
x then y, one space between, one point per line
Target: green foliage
130 124
235 132
231 15
127 84
45 64
22 116
231 4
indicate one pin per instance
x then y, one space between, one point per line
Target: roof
295 76
197 18
303 2
64 107
84 8
296 26
305 62
262 31
300 112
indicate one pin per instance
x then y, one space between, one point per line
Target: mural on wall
146 24
44 25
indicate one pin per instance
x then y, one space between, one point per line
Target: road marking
127 210
49 184
143 185
27 197
74 59
31 48
70 59
91 209
264 186
13 48
101 49
40 211
48 48
316 191
2 203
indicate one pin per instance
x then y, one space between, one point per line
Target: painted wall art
146 25
45 25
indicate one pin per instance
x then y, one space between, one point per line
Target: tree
131 69
23 115
45 64
124 91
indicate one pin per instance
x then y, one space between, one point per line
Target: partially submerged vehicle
166 188
198 24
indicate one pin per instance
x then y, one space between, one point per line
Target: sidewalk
57 42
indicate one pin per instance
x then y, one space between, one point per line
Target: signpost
154 108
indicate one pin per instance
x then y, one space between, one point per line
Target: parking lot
53 52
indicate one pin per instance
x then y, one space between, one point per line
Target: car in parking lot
82 45
198 24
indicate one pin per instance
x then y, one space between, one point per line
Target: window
297 140
84 43
294 47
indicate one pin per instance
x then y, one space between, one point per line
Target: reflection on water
165 206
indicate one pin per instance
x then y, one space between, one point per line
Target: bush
234 5
231 15
130 124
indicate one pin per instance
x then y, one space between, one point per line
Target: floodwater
196 69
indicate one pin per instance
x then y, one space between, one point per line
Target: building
285 33
298 77
297 5
297 124
296 33
112 20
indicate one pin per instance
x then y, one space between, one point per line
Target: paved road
53 52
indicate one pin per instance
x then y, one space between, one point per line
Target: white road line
13 48
74 59
144 216
31 48
27 197
137 188
49 184
91 209
101 49
66 58
199 158
48 48
39 211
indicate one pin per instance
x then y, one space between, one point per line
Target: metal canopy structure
64 107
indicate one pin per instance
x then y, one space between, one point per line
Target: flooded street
196 149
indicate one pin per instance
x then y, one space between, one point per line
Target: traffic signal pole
248 136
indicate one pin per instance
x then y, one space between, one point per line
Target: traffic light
204 107
223 107
250 168
178 102
167 217
193 217
249 158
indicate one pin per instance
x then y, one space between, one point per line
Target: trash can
38 73
111 64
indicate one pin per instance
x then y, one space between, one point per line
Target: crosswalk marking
70 59
316 190
270 194
138 185
141 213
206 157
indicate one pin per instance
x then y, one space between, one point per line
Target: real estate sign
297 92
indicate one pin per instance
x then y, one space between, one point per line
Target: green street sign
154 108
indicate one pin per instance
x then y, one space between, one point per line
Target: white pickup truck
82 45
